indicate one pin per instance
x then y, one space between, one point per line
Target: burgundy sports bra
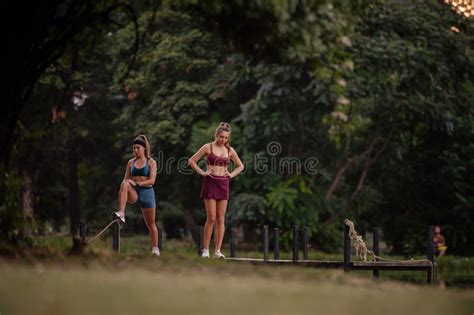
215 160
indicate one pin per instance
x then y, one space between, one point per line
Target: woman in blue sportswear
137 187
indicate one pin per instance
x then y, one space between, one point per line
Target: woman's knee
151 226
211 219
220 220
125 185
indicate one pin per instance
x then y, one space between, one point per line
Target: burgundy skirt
215 187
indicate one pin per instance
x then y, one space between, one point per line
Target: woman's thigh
132 195
221 208
146 198
210 205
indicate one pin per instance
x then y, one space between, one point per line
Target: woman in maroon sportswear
215 184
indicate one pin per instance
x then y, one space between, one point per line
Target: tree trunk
348 162
370 159
73 200
337 179
343 165
27 201
27 194
362 178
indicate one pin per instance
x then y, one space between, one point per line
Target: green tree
175 80
412 83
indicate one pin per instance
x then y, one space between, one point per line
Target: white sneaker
155 251
205 253
218 254
118 216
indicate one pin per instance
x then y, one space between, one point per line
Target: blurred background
377 94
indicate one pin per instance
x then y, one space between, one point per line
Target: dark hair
142 139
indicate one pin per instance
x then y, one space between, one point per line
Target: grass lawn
45 281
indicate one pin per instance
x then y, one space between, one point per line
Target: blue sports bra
144 171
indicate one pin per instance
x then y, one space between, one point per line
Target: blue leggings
146 197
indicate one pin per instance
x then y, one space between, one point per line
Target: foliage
410 77
377 95
174 83
172 219
173 76
13 225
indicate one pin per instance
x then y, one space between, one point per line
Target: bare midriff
217 170
139 178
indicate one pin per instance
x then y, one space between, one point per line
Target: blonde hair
223 126
147 145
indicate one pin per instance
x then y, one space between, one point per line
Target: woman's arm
127 171
128 177
196 157
150 181
239 166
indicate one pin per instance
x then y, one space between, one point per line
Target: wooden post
233 242
160 238
376 249
276 249
201 238
347 249
116 237
430 254
200 231
429 244
295 243
305 243
82 231
265 243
